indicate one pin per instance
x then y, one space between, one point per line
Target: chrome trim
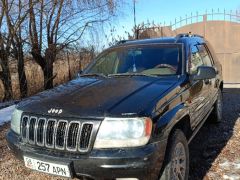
54 130
76 147
64 143
66 136
43 141
90 139
45 121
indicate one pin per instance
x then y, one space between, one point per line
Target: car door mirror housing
205 72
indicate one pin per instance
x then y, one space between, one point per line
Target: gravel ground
214 152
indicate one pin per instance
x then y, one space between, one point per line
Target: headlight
123 132
16 119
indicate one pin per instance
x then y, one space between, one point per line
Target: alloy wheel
179 162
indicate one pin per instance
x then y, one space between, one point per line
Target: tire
216 116
176 165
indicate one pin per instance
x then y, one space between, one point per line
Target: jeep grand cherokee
129 115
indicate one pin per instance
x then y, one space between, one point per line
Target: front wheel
176 165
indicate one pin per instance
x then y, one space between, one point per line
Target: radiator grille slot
57 134
24 127
32 129
85 136
40 133
60 134
50 132
72 136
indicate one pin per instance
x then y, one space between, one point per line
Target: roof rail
125 40
188 35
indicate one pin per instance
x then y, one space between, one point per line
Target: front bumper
141 163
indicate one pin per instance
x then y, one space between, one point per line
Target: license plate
47 167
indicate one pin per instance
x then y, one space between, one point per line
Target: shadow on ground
212 138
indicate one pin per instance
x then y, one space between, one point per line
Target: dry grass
34 73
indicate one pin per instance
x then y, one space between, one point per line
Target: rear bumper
141 163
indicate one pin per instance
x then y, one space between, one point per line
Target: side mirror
205 72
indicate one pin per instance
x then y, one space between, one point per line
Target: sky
167 10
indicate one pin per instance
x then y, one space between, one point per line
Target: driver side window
195 60
206 58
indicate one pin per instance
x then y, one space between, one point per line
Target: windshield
147 60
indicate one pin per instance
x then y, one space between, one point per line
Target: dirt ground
214 152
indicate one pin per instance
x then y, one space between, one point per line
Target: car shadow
212 138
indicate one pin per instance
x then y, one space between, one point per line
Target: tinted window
152 60
196 59
204 55
106 64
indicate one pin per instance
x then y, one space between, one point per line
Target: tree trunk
48 76
5 76
8 90
48 68
21 74
69 67
7 87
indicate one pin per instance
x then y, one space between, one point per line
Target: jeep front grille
57 134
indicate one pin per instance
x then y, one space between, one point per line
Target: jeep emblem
55 111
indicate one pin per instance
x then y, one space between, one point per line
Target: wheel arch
176 118
184 125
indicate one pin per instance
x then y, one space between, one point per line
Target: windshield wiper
132 74
94 74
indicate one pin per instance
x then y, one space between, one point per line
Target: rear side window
196 59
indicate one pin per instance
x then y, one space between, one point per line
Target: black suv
129 115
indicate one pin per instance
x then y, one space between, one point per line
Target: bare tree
46 27
5 45
15 16
55 24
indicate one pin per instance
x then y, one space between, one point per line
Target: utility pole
134 14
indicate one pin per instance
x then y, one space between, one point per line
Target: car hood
99 97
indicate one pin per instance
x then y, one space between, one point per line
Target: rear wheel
176 165
216 115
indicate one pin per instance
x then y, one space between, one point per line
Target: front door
199 90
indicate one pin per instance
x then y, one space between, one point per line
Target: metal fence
217 15
212 15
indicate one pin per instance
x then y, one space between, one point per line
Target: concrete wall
225 39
